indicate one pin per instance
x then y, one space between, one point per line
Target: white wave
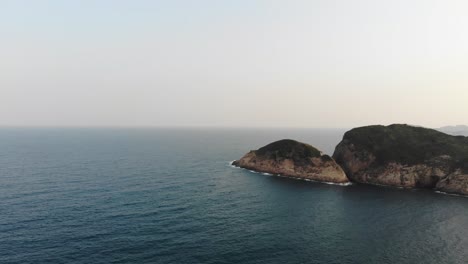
294 178
451 194
310 180
339 184
233 166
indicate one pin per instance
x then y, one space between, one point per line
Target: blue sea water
169 196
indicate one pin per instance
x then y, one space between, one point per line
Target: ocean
169 195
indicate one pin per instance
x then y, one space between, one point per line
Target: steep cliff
294 159
405 156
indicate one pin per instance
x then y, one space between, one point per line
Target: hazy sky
321 63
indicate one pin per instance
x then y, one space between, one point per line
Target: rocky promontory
293 159
405 156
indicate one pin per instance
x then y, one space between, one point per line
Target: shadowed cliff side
294 159
405 156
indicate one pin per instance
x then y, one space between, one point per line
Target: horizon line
196 126
166 127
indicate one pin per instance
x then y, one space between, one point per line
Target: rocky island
405 156
396 155
293 159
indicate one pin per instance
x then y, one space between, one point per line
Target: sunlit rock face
293 159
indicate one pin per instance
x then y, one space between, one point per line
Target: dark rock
404 156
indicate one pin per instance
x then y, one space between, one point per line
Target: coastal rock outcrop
293 159
405 156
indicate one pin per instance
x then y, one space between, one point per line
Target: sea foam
289 177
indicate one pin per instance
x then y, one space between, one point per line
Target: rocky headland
293 159
405 156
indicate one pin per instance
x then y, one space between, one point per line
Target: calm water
169 196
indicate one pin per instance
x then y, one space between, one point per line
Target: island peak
291 158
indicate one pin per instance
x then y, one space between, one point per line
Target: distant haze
324 63
459 130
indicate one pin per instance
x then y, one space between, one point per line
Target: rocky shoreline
231 163
294 159
396 155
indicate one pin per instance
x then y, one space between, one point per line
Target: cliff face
405 156
293 159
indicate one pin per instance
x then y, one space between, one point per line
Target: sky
244 63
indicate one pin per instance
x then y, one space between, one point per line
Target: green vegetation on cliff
408 144
289 149
293 159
